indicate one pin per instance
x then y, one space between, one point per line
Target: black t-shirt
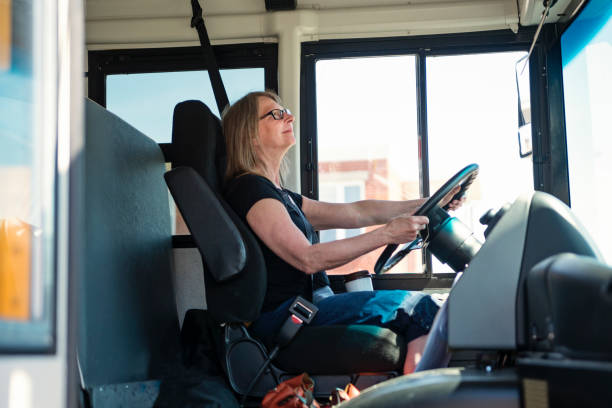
284 281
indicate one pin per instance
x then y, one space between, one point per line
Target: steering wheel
465 177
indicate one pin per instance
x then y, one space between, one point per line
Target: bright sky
366 109
147 101
472 116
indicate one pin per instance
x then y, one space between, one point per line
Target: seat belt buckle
301 312
303 309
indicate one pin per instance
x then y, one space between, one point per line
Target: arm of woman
364 213
323 215
271 222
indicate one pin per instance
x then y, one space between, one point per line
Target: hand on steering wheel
449 202
463 179
405 228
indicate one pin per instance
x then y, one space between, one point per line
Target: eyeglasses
277 114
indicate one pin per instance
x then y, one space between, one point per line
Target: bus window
147 100
143 86
472 118
27 180
367 139
586 49
368 135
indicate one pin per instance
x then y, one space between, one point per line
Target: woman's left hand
455 204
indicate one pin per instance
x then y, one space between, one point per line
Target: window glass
586 48
27 174
472 117
147 101
367 139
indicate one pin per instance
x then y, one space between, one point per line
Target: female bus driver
258 132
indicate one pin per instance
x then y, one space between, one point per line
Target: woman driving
259 132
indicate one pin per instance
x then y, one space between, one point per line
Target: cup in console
358 281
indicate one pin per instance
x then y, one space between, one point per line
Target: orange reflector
15 254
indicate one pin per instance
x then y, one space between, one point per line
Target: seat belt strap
319 282
209 56
311 235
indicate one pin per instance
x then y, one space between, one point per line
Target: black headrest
198 142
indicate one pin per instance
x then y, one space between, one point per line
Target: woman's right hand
404 228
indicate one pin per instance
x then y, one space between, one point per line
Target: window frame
546 177
176 59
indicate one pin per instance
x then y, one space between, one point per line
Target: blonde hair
241 127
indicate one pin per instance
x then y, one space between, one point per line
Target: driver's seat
333 355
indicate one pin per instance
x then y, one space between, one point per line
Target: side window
143 86
367 140
147 100
472 118
586 49
404 124
27 183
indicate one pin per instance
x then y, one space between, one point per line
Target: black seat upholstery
195 183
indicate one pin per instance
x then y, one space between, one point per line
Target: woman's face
274 135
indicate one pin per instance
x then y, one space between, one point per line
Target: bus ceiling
112 24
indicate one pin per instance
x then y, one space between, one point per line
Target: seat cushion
343 350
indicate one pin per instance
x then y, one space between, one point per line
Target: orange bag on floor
295 392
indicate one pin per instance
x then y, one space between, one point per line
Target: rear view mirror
524 106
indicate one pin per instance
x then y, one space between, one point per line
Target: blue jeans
408 313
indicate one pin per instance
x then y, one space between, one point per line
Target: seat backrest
234 288
128 322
